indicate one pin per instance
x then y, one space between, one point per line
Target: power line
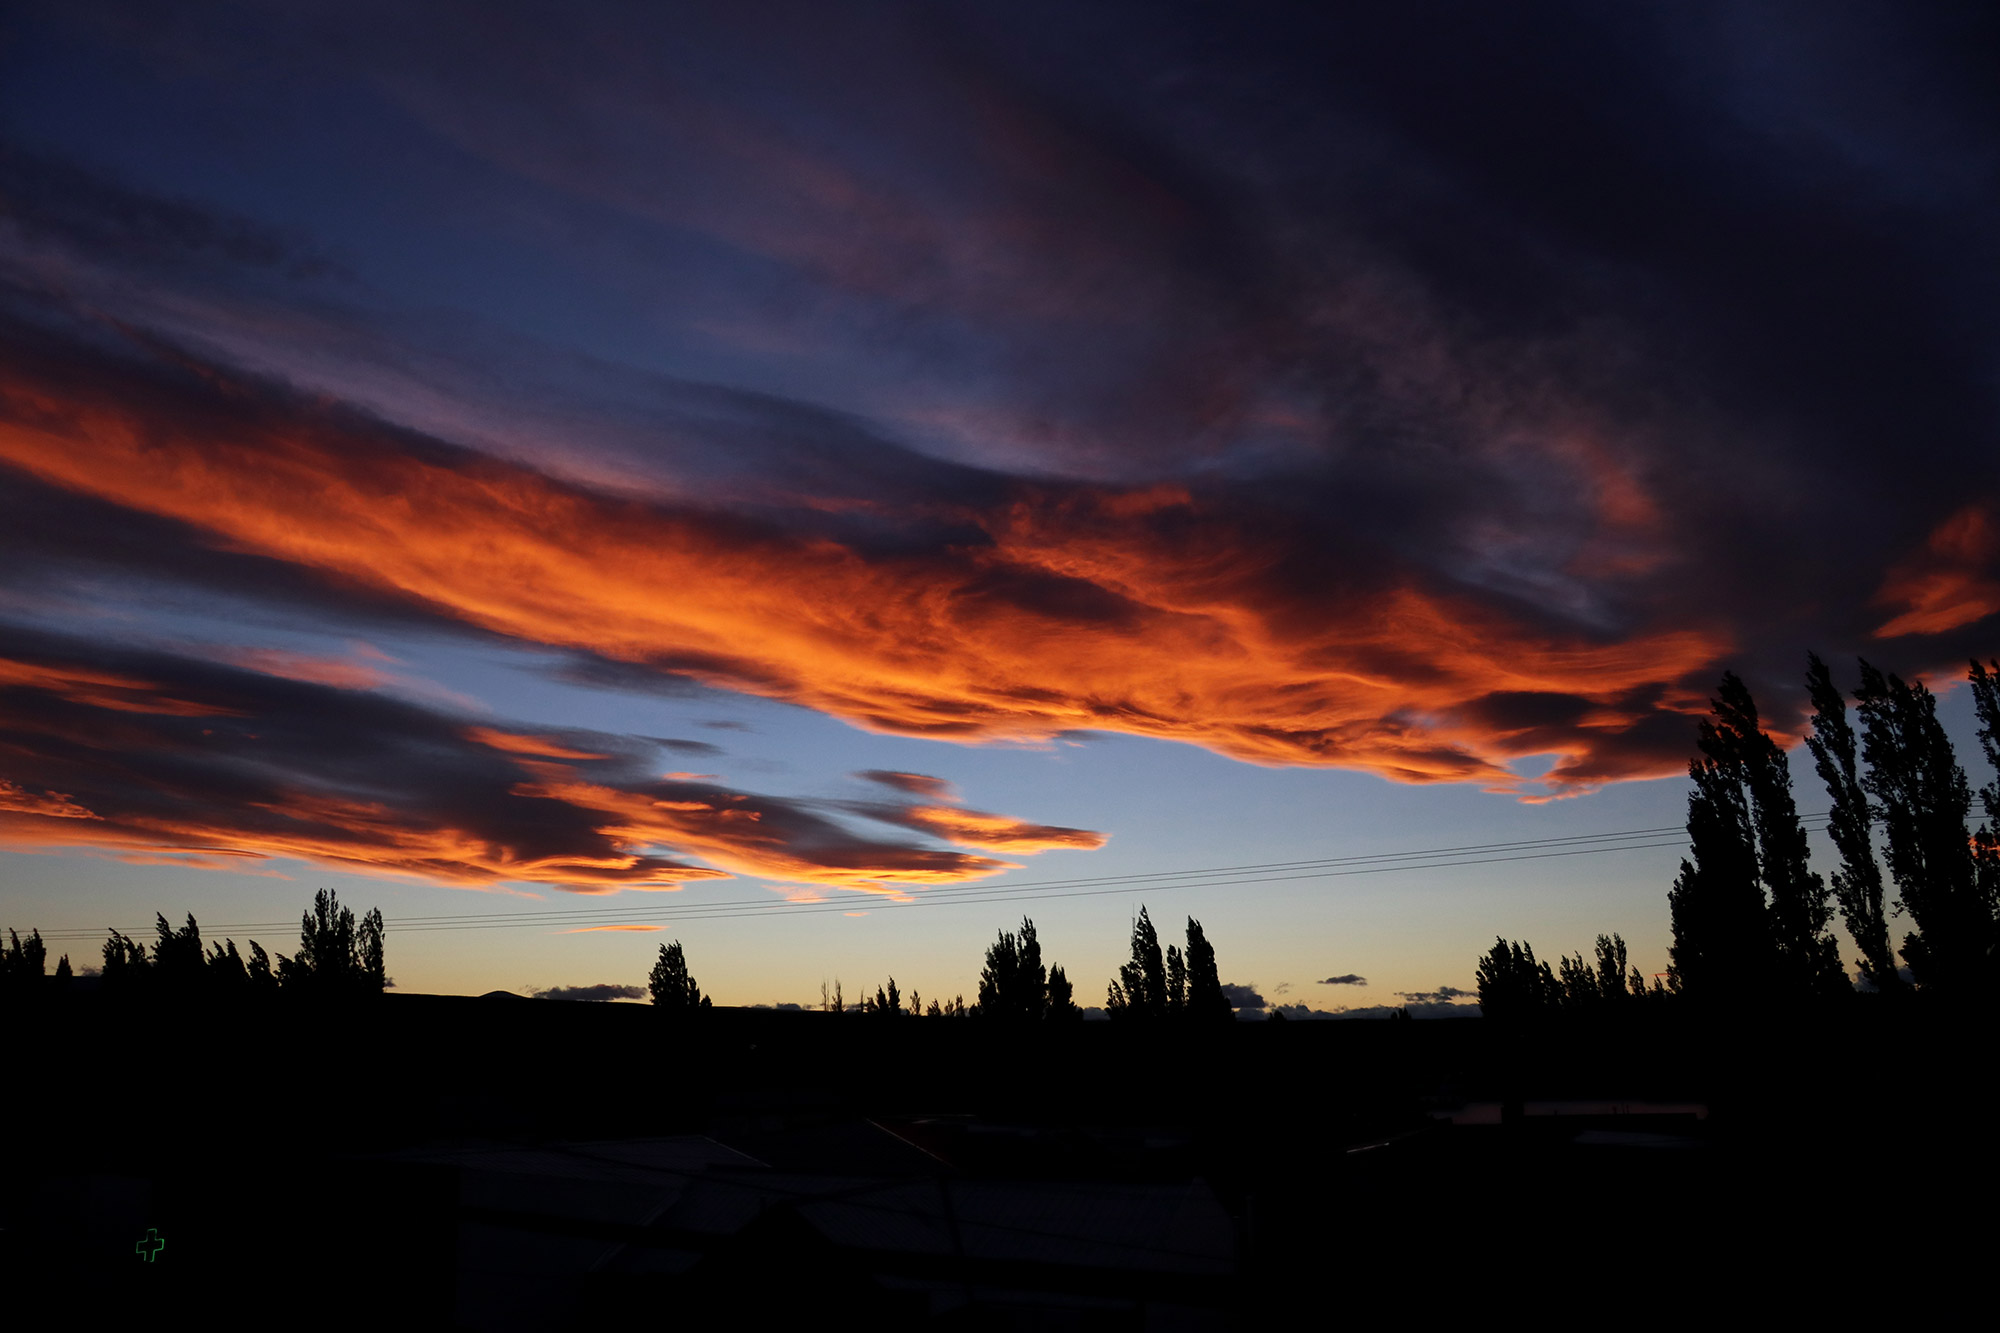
1436 858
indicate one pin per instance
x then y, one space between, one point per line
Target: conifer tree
1857 884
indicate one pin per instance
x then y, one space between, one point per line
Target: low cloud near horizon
602 991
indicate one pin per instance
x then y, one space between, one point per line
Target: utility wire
1436 858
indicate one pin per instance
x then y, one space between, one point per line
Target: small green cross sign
149 1249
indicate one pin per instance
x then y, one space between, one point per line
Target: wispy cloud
169 759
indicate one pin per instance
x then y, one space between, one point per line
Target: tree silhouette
226 973
1924 803
125 964
1177 981
1179 984
1748 842
1205 1000
263 980
1605 981
673 989
1720 946
1513 986
369 941
1062 999
22 965
1807 957
330 960
1578 980
1857 883
1140 990
1617 980
1985 681
180 966
887 1004
1013 987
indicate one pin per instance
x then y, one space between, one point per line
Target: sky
821 483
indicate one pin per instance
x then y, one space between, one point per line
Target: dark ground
1845 1164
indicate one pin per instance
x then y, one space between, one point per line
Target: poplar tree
1806 954
1985 681
1062 998
1747 843
1857 884
22 966
337 955
1720 945
1513 985
1177 981
1140 990
1924 802
1205 1000
1013 985
672 988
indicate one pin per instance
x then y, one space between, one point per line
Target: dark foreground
438 1162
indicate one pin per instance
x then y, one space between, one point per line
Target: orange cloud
917 784
534 745
48 804
1150 612
971 828
305 666
102 689
728 829
373 783
585 930
1951 582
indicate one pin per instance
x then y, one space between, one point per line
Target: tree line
339 956
1752 921
1015 988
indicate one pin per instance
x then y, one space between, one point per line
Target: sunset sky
819 482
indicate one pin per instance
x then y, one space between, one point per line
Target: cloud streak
1156 612
164 759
